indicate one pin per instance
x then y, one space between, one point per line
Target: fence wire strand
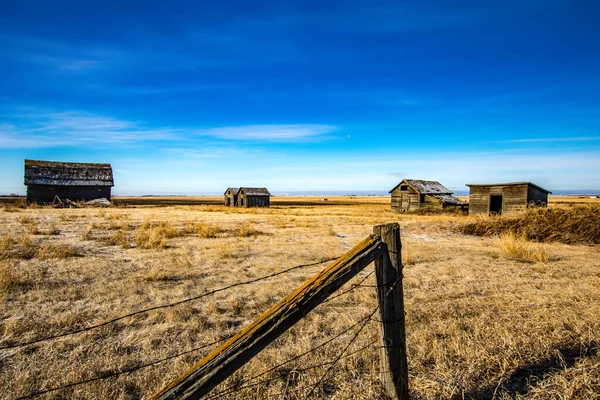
245 383
120 372
398 279
187 300
295 370
296 357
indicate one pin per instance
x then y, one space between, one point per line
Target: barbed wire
352 288
365 320
295 370
187 300
109 375
230 390
398 279
342 352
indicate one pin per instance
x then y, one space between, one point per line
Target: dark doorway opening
496 204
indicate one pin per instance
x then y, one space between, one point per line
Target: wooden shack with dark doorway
253 197
67 180
231 196
412 194
502 198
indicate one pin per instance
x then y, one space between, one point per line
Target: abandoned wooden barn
231 196
254 197
412 194
504 198
67 180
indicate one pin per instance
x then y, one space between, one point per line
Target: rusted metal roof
510 184
54 173
255 191
234 191
425 187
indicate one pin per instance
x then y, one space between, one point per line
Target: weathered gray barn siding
231 197
505 197
67 180
405 199
411 194
46 194
254 197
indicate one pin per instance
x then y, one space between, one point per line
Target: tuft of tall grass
154 235
247 230
119 238
517 248
161 275
51 250
10 276
225 250
87 232
22 247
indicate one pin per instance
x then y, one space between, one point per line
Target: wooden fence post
388 269
235 352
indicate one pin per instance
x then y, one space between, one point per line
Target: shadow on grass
523 379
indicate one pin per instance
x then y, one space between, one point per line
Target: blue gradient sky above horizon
190 97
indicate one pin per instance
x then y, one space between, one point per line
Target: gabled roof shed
411 194
254 197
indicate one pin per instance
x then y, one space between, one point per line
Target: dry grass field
487 316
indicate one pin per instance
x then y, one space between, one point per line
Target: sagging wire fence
284 375
162 306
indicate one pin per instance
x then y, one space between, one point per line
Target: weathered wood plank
225 360
388 269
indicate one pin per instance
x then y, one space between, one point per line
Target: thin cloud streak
270 132
551 140
75 128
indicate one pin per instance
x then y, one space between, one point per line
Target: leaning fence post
388 269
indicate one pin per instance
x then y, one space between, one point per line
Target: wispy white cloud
35 129
282 133
59 56
74 128
551 140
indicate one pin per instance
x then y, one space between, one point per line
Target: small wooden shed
411 194
253 197
231 196
501 198
67 180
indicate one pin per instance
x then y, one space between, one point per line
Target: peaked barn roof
510 184
235 191
424 187
52 173
255 191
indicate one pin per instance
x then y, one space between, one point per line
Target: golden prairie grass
119 237
204 230
56 250
87 232
479 325
573 225
10 276
247 230
518 248
23 247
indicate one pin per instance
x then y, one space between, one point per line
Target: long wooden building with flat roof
67 180
501 198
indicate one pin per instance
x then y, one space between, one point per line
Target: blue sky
193 97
